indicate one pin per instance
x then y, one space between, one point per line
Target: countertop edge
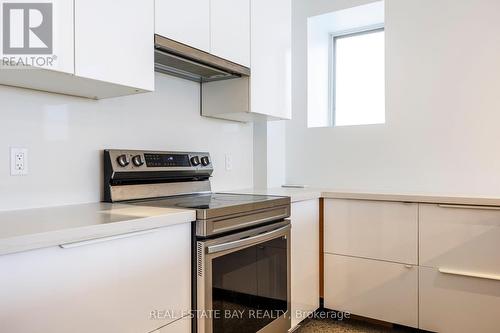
303 194
413 198
58 237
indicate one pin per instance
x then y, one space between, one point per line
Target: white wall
443 105
65 137
269 154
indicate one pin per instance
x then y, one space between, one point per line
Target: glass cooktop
217 203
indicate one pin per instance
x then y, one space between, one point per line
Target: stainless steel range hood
187 62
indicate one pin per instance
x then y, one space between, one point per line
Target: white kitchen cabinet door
114 42
182 325
460 238
111 286
372 229
305 259
186 21
458 304
63 37
62 58
370 288
100 50
271 84
230 30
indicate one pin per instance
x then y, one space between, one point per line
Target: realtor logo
27 28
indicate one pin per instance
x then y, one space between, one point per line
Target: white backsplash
65 137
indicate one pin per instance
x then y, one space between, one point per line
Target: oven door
243 281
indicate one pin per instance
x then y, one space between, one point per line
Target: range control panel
142 174
156 160
167 160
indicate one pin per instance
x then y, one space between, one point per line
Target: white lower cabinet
182 325
458 304
372 229
305 259
464 238
371 264
376 289
460 268
114 285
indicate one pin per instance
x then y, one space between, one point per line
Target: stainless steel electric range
241 242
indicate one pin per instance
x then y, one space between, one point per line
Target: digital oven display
167 160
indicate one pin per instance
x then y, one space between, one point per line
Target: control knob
205 160
123 160
137 160
195 161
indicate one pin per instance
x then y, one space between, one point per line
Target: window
345 67
358 78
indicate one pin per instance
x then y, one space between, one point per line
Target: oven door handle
248 241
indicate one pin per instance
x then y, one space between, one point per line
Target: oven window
249 287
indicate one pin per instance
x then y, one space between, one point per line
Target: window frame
333 61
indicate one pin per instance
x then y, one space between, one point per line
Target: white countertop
301 194
295 194
29 229
22 230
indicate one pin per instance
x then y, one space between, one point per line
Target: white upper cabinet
220 27
55 49
63 31
96 49
271 61
230 30
186 21
114 42
266 95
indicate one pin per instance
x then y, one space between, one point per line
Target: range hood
189 63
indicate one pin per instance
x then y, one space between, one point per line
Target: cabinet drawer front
458 304
127 285
370 288
460 238
372 229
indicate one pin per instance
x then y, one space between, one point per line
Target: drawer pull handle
469 207
468 274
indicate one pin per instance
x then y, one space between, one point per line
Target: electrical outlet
18 161
228 162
